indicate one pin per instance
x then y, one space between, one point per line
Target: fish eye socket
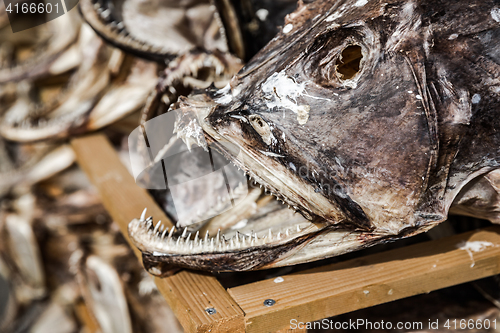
348 63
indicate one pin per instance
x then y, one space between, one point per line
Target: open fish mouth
254 233
260 230
265 228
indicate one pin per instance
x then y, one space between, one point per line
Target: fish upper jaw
262 154
247 140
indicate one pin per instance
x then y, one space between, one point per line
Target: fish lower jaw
158 240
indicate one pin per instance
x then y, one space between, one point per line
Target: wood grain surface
355 284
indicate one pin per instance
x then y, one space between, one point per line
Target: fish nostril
261 127
348 64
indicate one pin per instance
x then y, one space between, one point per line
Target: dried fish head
357 115
317 128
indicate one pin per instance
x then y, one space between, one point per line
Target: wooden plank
355 284
189 294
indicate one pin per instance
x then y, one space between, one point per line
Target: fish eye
348 63
337 61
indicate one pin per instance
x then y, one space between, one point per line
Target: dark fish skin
415 124
381 155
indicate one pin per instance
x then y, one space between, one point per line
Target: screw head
269 302
211 311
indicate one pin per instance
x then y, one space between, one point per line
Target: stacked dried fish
69 267
64 265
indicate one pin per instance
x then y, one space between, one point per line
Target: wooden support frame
306 296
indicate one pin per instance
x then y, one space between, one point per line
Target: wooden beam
359 283
189 294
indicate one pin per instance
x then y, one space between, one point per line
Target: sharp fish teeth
164 232
184 232
298 228
157 226
196 236
143 215
224 242
206 238
171 232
